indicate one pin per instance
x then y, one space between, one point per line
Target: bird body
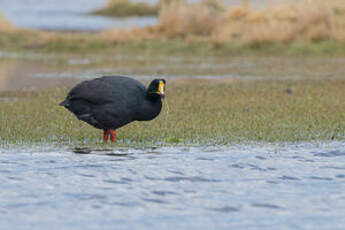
111 102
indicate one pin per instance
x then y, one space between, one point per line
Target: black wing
106 102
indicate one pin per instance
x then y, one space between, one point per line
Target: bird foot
106 135
112 134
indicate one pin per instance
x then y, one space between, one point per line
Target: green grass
70 44
200 112
179 47
127 9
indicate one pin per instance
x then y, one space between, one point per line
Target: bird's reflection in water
119 152
100 151
81 150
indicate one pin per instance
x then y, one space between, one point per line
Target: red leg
106 135
113 135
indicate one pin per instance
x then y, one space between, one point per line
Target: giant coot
111 102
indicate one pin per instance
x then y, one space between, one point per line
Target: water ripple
265 187
272 206
288 178
227 209
190 179
335 153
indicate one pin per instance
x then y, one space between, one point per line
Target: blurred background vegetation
299 25
306 20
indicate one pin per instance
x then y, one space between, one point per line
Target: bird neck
150 108
152 96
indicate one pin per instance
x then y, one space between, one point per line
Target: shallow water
66 15
256 186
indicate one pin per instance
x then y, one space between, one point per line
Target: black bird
111 102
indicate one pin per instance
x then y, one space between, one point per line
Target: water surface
255 186
67 15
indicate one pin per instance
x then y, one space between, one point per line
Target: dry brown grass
181 19
304 23
307 21
210 20
176 19
110 3
5 25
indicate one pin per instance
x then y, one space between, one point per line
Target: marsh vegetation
196 112
126 8
312 28
211 20
290 101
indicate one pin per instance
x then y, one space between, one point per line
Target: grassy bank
200 112
111 42
206 28
283 23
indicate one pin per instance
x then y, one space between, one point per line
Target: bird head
157 87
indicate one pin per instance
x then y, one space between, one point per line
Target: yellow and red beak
161 88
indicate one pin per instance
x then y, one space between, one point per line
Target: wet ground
37 72
258 186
